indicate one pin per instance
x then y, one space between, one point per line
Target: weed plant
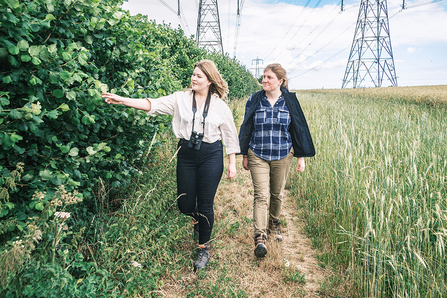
375 193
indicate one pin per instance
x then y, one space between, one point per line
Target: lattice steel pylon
208 34
371 55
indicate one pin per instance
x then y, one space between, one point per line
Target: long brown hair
218 84
280 73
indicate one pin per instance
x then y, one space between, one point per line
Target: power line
318 35
240 5
346 48
322 49
299 29
284 36
179 12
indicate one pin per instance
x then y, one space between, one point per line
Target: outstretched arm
137 103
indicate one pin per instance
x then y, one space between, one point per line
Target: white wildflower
136 264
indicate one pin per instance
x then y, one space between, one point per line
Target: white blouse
219 123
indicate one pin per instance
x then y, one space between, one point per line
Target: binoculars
195 141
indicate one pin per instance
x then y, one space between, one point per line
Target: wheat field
375 193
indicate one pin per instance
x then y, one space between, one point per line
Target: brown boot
275 230
260 249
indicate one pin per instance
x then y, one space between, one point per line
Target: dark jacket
299 131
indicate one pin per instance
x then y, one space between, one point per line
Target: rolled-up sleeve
162 106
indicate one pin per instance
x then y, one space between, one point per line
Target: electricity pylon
371 54
257 66
208 33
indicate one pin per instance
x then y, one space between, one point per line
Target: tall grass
376 192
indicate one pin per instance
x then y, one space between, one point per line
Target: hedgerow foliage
57 136
56 59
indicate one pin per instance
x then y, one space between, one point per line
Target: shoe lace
260 239
201 254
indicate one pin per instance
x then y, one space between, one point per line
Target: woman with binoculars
201 120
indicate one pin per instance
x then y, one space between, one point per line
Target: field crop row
375 193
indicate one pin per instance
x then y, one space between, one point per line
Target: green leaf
15 138
28 177
35 81
71 95
53 114
23 45
50 17
65 75
56 181
58 93
15 114
90 150
66 56
36 61
13 3
13 61
34 50
64 107
89 39
52 49
7 79
14 50
65 149
3 212
18 149
39 206
25 58
45 175
88 119
44 54
74 152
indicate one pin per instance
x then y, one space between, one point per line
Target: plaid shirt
271 139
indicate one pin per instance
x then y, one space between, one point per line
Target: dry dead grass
233 270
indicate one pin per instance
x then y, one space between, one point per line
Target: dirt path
289 269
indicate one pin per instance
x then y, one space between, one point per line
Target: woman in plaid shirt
273 132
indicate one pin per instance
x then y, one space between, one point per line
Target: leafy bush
58 138
57 58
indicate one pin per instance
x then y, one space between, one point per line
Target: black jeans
198 175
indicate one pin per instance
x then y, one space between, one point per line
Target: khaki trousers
269 179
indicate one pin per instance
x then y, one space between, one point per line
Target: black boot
203 256
261 249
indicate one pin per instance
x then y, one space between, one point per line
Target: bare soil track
290 268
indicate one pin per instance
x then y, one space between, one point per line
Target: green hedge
58 138
56 59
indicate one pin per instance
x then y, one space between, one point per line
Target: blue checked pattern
271 139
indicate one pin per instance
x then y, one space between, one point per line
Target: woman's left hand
300 164
231 172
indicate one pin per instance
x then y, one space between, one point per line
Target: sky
312 39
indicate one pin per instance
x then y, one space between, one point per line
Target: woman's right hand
245 163
113 98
